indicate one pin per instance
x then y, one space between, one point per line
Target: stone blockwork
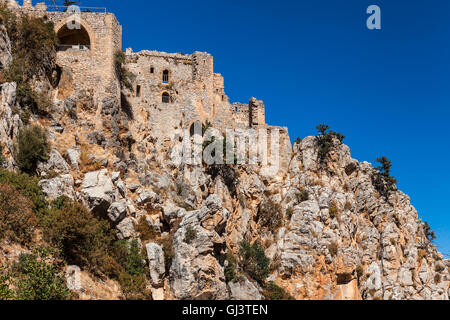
90 67
175 90
171 91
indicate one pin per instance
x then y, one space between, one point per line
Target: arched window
165 98
73 39
152 70
165 77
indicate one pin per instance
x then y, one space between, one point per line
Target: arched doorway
165 97
73 39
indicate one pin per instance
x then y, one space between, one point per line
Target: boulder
244 290
117 211
55 163
59 186
126 228
98 192
156 264
73 156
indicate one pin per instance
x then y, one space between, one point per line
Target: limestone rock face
196 272
117 211
98 191
244 290
333 237
10 123
156 263
5 48
55 163
59 186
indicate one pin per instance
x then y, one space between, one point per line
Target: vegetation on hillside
33 46
31 148
326 140
125 77
382 180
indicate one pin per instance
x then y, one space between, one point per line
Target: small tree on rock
382 180
31 148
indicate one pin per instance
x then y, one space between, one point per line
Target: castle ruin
170 90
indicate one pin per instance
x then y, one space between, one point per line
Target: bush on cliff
31 148
33 48
17 220
326 141
83 239
38 277
382 180
125 77
254 261
28 186
269 214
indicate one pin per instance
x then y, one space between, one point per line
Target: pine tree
382 180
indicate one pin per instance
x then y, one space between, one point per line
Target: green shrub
325 141
31 148
253 261
83 239
146 232
190 235
273 292
129 256
38 278
125 77
134 287
303 195
269 214
133 269
29 187
17 219
33 47
382 180
230 269
5 279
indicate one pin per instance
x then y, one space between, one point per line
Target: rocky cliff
324 230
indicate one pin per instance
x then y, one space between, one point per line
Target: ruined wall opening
165 97
73 39
138 91
165 77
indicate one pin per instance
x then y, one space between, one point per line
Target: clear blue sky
314 62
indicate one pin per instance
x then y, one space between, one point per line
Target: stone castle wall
192 92
90 70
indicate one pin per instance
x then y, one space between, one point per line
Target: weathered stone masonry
171 90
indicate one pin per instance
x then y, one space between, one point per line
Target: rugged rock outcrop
324 226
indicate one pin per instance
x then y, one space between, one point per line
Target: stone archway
83 38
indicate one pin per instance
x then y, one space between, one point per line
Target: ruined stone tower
170 91
86 52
